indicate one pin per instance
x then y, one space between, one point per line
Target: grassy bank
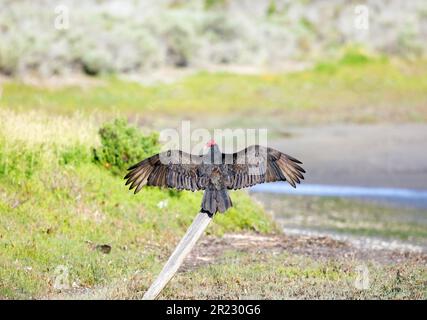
60 209
356 88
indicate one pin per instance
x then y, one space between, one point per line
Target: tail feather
216 200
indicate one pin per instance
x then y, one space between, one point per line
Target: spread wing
257 164
172 169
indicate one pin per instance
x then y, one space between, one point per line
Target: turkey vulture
215 172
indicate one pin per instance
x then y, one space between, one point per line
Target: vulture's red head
211 143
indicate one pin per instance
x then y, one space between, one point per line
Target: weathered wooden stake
201 221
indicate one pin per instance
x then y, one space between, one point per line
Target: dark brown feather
263 165
253 165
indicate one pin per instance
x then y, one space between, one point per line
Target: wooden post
201 221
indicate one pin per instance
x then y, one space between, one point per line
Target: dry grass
37 127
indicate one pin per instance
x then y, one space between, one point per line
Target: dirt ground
210 249
374 155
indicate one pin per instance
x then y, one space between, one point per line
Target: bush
354 56
122 145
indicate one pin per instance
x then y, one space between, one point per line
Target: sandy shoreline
375 155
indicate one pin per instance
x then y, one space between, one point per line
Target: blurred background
85 87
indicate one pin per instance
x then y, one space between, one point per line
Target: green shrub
354 56
272 9
351 56
123 145
215 4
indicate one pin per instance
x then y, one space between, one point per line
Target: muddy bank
375 155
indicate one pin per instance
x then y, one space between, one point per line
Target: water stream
407 197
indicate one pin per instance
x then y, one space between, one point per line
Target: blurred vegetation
357 87
57 204
107 37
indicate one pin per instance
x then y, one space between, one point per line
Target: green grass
356 88
54 212
47 220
